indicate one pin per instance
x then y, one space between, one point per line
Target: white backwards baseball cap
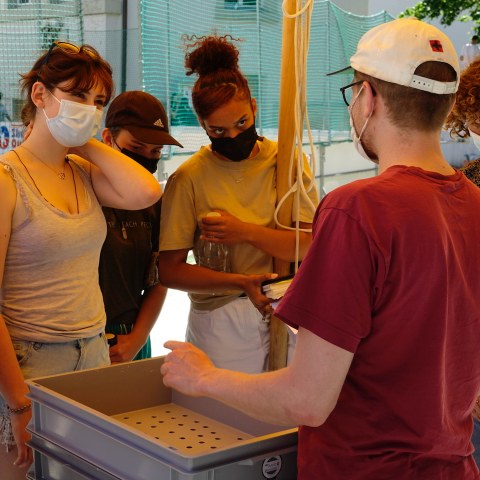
392 51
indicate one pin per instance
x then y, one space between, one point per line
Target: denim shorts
41 359
38 359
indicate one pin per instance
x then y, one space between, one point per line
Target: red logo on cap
436 45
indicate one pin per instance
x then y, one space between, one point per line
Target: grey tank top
50 290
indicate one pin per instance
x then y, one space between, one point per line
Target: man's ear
38 94
369 99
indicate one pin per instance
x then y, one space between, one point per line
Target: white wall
103 28
358 7
134 55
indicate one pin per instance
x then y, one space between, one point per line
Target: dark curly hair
466 110
215 60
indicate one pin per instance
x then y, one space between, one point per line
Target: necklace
60 175
39 191
121 223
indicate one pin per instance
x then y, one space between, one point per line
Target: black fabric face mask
149 164
237 148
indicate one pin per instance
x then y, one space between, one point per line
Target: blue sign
11 135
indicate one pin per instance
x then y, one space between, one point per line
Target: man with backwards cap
137 125
386 370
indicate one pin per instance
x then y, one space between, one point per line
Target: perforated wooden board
183 430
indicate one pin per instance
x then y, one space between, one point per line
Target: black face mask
150 164
236 148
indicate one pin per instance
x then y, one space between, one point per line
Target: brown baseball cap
142 115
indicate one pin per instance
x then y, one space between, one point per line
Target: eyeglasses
69 48
347 93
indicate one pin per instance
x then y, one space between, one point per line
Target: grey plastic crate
51 462
121 422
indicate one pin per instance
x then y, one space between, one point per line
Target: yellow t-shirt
246 190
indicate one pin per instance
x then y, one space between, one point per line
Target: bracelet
19 410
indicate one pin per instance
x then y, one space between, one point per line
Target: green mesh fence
27 28
334 36
151 58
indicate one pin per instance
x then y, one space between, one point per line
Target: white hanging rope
302 19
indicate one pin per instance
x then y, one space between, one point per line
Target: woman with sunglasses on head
225 196
52 229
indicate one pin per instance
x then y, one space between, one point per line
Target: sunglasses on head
68 48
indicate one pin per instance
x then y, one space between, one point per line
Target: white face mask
74 123
475 138
353 133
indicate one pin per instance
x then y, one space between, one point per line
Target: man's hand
185 367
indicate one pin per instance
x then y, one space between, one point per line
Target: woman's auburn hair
78 71
466 110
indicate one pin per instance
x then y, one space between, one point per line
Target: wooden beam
286 132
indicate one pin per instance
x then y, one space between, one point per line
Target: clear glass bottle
212 255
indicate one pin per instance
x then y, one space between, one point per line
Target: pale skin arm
304 393
118 181
278 243
129 345
175 272
14 390
12 385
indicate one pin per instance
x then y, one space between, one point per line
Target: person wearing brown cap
137 125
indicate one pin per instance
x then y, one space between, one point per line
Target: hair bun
210 54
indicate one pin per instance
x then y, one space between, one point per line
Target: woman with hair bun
223 200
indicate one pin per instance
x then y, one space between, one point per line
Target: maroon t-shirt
393 275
